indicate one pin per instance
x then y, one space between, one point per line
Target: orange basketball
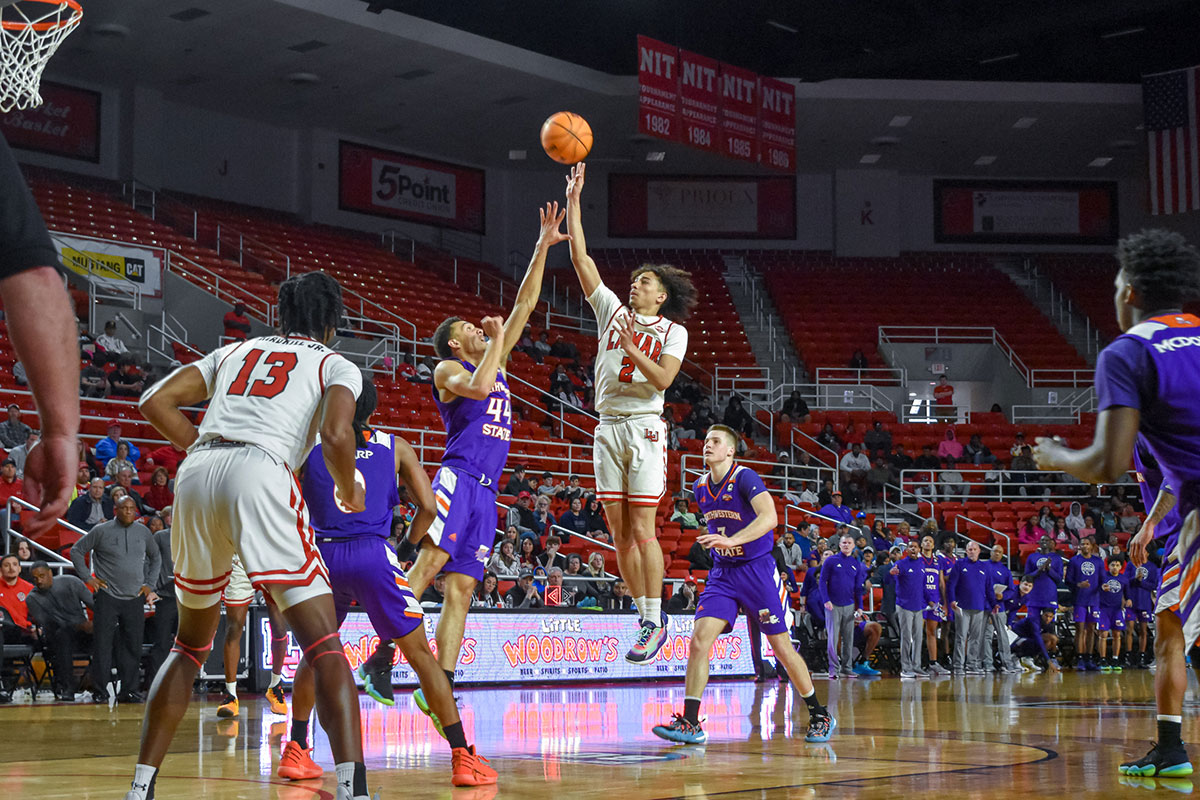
566 137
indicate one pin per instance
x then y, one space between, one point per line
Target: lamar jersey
266 392
621 389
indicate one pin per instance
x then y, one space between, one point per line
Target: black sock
1169 733
455 736
150 790
450 677
815 709
360 779
300 732
383 657
691 710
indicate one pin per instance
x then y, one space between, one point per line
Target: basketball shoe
377 682
650 640
228 707
276 700
681 730
423 704
820 728
1160 762
296 763
470 768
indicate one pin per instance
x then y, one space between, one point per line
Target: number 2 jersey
267 391
727 508
621 389
478 432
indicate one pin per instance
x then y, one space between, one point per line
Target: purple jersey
478 432
932 569
910 584
1143 581
1150 482
1113 590
376 464
728 508
1045 582
1155 368
1080 569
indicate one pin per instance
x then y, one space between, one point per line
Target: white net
30 32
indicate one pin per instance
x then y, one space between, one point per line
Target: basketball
566 137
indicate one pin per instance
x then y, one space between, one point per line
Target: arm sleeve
338 371
676 342
1125 375
604 303
79 552
24 241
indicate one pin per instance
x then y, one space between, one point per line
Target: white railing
1075 378
430 445
1007 486
1062 310
746 382
552 406
99 276
1044 414
170 332
1008 551
261 308
874 376
691 467
804 512
52 559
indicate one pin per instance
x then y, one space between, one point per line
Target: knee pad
197 655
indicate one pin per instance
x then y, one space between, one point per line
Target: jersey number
500 410
626 375
276 380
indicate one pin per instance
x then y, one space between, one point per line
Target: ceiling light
780 26
869 158
413 74
111 30
1024 123
1102 161
1124 32
656 155
899 121
516 155
886 141
189 14
302 78
998 59
309 46
984 161
1123 144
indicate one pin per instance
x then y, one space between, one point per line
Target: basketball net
30 32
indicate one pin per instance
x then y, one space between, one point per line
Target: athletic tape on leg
198 655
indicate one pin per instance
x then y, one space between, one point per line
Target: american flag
1169 104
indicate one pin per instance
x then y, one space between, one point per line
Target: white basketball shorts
630 460
243 500
239 591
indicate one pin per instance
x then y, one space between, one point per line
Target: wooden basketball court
1011 736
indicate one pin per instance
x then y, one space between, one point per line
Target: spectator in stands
560 382
573 491
927 459
1021 468
118 462
796 408
57 607
522 516
425 370
525 343
13 432
113 347
1018 445
597 527
126 381
807 495
899 461
1128 519
541 347
597 588
15 627
943 398
561 348
237 324
92 508
93 380
950 447
877 441
486 594
804 469
158 496
405 369
877 479
952 485
524 594
574 519
854 466
550 556
903 533
505 563
737 417
168 457
548 488
687 520
435 594
793 555
699 557
977 452
858 360
1062 534
106 448
541 511
124 480
10 485
683 599
125 566
619 600
835 510
527 552
87 342
517 482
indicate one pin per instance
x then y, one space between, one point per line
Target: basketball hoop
30 32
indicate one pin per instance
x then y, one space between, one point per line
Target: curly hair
442 337
368 399
310 305
1161 266
677 283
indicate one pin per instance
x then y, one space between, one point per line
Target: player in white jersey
236 493
642 346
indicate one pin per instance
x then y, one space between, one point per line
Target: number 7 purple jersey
478 432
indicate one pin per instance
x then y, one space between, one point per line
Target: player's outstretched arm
450 376
1106 459
409 468
765 521
160 405
338 445
549 234
1138 544
661 374
585 267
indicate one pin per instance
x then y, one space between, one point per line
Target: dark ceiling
1094 41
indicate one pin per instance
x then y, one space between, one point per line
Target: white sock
640 604
231 687
275 679
345 781
653 613
1169 718
143 780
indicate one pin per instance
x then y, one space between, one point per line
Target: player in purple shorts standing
1110 614
935 602
363 569
1148 382
1085 571
741 520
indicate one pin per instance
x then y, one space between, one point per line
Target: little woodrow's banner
112 263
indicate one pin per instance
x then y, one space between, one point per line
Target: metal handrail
260 308
907 475
817 514
55 559
1007 539
954 334
584 536
891 375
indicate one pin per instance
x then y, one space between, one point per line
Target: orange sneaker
296 764
228 707
470 769
276 701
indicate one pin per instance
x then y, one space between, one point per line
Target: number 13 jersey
267 391
621 388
